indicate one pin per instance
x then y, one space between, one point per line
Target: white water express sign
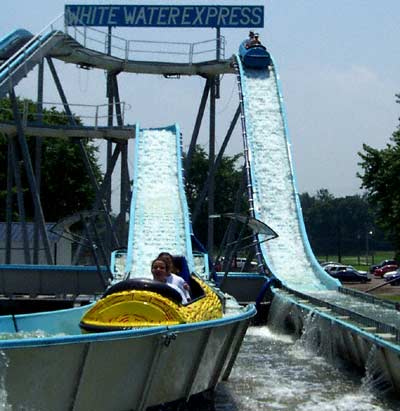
164 16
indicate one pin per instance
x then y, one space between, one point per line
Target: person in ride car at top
256 40
250 39
160 268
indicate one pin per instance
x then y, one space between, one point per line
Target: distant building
60 248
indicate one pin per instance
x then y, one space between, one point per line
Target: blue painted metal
131 234
55 268
67 322
10 43
256 57
267 286
164 15
182 194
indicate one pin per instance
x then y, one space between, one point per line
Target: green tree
337 225
227 183
65 183
381 179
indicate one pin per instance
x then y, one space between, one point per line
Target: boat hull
120 370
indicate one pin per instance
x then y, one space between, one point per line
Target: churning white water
272 178
275 372
157 209
278 371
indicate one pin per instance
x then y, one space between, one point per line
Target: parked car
379 272
393 277
350 274
333 268
326 263
382 264
236 264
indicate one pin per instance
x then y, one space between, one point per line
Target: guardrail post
126 50
96 119
25 114
191 48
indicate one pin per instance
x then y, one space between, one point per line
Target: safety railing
370 298
104 42
353 316
147 50
91 115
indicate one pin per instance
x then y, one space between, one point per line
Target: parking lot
375 281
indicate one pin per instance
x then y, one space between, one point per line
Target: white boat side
124 370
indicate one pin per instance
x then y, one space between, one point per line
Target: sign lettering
164 16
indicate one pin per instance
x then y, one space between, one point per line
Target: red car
379 272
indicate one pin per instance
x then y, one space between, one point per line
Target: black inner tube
145 284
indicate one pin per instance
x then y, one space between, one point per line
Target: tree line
339 226
65 186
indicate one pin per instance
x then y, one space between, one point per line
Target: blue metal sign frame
164 16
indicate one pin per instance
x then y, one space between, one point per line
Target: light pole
368 234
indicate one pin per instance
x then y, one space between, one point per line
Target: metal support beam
124 187
197 124
218 56
232 226
82 149
9 201
38 161
99 198
218 160
103 254
15 160
92 247
31 179
211 159
110 115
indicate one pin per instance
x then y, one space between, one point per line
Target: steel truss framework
117 149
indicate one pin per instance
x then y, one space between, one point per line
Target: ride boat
254 56
12 42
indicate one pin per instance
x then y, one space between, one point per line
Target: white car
390 273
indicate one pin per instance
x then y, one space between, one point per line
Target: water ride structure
191 357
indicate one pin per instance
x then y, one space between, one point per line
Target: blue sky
339 64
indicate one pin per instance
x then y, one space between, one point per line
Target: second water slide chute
274 193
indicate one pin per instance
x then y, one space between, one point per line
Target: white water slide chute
159 217
275 198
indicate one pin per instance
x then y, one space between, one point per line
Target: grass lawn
395 298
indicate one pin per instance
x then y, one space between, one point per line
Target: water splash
377 378
284 316
275 373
